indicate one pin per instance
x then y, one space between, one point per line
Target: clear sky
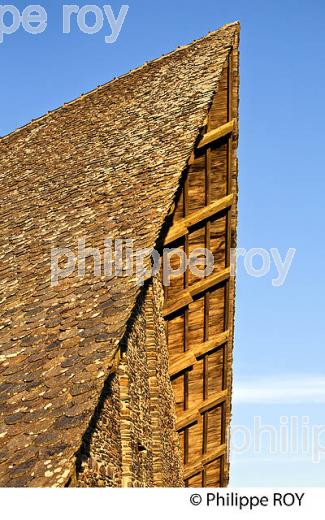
279 348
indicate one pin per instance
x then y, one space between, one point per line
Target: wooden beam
213 401
208 211
187 418
216 134
207 346
185 321
190 470
180 229
211 457
228 245
210 281
188 358
184 299
191 416
182 362
206 326
175 232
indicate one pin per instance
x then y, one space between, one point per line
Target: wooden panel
196 322
195 384
196 240
213 472
179 205
218 228
215 371
174 283
178 389
195 434
218 114
196 185
175 336
217 310
219 157
214 429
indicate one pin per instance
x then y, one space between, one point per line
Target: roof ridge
129 73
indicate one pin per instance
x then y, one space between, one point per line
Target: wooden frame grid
184 368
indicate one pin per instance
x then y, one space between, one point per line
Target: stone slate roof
105 165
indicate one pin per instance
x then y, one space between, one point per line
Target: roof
105 165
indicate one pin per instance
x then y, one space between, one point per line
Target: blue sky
279 330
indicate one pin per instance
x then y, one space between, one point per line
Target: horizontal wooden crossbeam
200 349
185 297
181 228
216 134
183 361
193 414
177 231
213 401
211 457
208 211
190 470
209 282
187 359
187 418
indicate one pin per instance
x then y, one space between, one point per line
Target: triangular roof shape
105 165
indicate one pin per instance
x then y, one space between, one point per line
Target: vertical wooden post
186 318
227 264
206 305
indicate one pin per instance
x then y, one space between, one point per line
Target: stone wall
132 440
